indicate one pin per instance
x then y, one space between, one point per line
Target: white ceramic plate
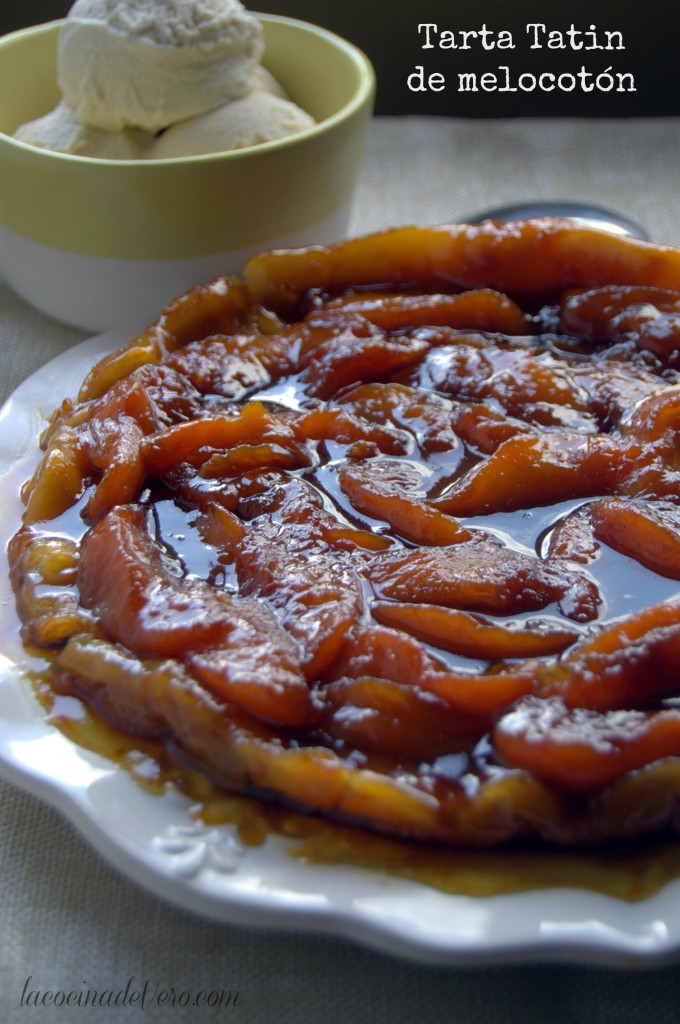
155 841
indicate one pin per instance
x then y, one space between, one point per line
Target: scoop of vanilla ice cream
190 69
150 63
258 117
63 132
263 79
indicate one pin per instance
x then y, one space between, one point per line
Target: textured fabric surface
68 921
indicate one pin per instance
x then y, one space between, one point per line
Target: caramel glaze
548 395
631 872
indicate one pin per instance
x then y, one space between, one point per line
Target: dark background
387 31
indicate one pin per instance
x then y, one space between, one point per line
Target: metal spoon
582 213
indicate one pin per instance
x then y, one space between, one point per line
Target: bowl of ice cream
131 173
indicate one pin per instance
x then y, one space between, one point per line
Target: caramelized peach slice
153 396
381 491
220 528
340 425
630 662
647 531
656 474
123 578
245 457
129 397
61 478
115 450
282 559
43 572
219 307
392 655
535 257
580 750
196 440
525 383
382 653
573 538
655 417
234 365
480 575
235 646
614 386
473 635
484 427
425 415
526 471
357 354
649 316
228 367
396 719
100 442
143 351
315 601
481 309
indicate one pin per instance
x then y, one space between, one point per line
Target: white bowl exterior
97 293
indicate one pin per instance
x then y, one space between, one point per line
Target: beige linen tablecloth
67 919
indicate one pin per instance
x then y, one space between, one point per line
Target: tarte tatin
388 531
